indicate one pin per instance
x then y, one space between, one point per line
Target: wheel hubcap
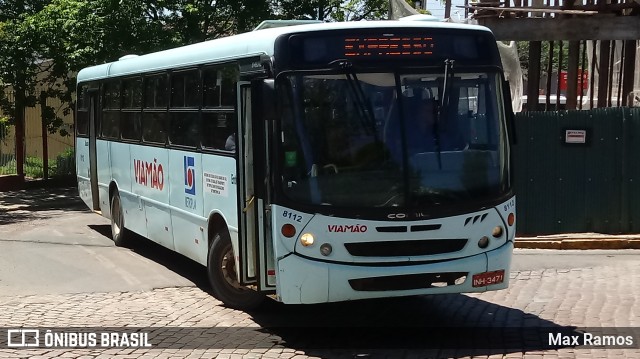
116 224
229 270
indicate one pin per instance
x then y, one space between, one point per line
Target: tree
18 65
69 35
199 20
523 53
46 42
335 10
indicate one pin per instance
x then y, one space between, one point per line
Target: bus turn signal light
288 230
511 219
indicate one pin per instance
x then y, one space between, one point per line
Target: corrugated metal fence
578 171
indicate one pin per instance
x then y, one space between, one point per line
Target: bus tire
120 235
222 276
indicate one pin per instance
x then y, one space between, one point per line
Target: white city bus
312 163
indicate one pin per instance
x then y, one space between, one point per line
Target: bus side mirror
508 107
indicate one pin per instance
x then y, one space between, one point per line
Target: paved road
51 243
59 269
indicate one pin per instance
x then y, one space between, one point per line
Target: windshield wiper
363 105
443 106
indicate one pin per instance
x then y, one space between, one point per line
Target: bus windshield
389 139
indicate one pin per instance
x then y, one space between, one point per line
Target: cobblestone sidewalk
587 297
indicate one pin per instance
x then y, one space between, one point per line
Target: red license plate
488 278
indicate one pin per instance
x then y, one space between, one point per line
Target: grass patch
62 165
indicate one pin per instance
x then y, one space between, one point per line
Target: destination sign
409 47
376 46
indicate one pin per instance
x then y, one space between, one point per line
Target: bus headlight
326 249
497 232
307 239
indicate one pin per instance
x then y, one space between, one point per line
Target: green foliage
355 10
199 20
63 165
333 10
32 167
523 54
18 61
4 126
44 43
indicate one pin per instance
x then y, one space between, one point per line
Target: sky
437 8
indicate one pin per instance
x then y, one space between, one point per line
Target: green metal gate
578 171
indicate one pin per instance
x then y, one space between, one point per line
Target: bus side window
218 101
219 88
110 124
184 129
154 117
153 127
131 109
82 115
228 90
155 91
218 131
184 89
211 88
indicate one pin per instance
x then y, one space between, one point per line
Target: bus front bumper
306 281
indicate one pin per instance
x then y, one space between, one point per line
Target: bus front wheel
223 279
120 235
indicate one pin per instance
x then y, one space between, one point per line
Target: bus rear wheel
223 278
119 234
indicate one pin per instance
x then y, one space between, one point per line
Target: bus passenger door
93 133
254 223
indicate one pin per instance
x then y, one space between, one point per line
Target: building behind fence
59 148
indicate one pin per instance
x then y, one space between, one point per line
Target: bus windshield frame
391 180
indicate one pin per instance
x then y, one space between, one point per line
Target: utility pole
321 10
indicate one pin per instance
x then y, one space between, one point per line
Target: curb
578 243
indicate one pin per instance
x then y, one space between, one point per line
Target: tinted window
211 88
132 93
184 89
82 115
82 122
228 91
184 129
154 127
219 85
111 124
111 93
131 126
155 91
83 98
218 131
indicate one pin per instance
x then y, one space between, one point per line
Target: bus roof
255 43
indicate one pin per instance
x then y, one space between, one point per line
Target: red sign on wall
583 80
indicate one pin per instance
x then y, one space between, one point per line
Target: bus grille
408 281
405 248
